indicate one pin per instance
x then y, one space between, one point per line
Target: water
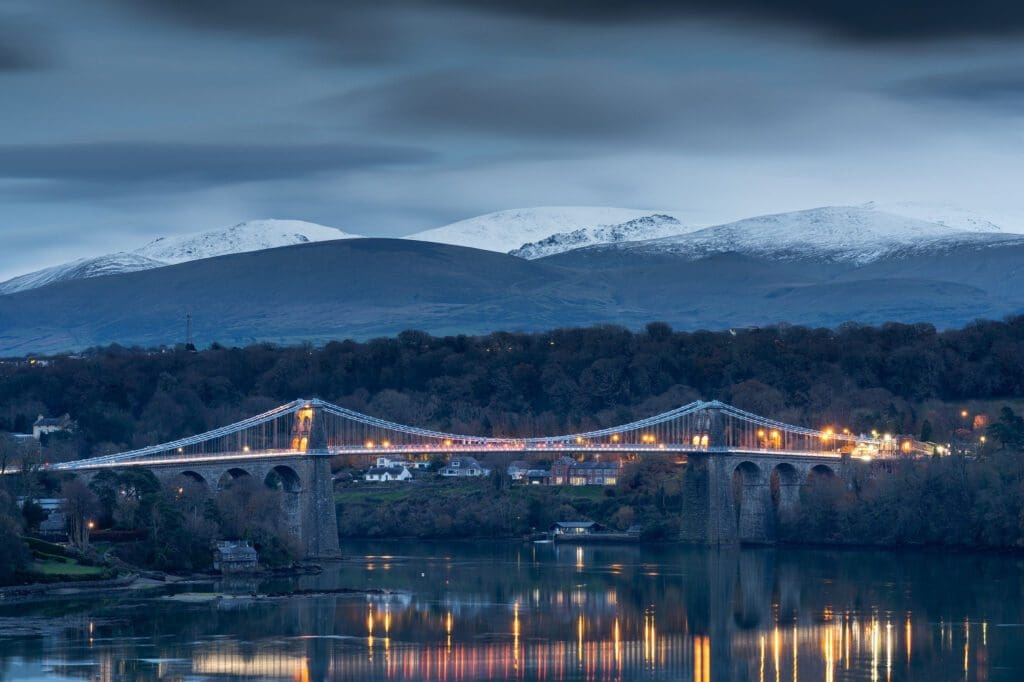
469 611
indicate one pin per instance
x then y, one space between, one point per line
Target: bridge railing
318 426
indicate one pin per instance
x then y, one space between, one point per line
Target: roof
52 421
464 461
575 524
379 471
236 551
595 465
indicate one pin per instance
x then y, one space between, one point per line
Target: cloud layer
123 120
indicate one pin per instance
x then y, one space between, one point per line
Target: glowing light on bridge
316 427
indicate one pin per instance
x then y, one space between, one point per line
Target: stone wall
728 498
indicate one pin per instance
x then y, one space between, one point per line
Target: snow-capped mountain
941 214
504 231
642 228
853 234
111 264
254 235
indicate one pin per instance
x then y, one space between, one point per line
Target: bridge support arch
303 481
732 498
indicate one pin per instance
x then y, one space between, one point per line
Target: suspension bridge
744 465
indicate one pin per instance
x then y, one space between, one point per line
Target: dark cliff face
371 287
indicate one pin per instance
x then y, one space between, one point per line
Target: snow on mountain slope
111 264
642 228
504 231
854 234
254 235
941 214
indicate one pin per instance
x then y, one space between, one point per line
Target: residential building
517 470
537 477
575 528
45 425
567 471
234 557
389 473
383 461
522 472
464 466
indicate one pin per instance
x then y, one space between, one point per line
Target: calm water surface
475 611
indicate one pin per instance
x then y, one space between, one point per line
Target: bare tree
80 505
8 449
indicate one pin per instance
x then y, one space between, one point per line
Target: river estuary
478 611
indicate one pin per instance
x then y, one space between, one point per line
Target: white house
388 473
517 470
383 461
464 466
52 425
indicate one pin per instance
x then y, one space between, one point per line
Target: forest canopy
905 378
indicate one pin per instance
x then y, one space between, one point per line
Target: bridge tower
318 523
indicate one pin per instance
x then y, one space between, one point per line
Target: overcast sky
123 120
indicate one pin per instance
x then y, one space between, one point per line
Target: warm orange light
760 433
386 443
905 446
448 442
369 444
963 413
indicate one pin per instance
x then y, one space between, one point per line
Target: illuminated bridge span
319 427
742 468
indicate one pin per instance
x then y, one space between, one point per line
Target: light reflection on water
456 612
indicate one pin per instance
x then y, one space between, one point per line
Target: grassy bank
432 508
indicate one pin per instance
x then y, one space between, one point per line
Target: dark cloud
990 88
581 103
856 19
19 54
362 27
185 164
345 29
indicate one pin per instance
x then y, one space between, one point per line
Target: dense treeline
894 377
939 502
956 384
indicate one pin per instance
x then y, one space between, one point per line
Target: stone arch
282 477
187 481
752 502
287 483
230 476
820 471
195 477
784 483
